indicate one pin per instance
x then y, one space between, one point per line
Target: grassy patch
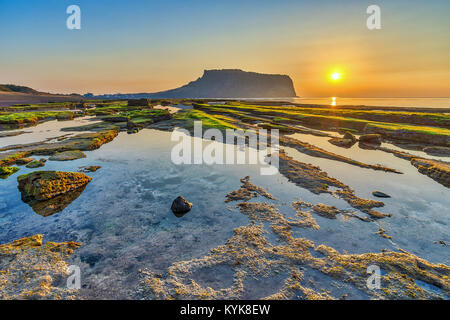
11 158
34 117
422 127
208 121
5 172
411 128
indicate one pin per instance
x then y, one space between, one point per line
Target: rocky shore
248 253
31 269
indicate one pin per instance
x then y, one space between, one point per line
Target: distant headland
225 83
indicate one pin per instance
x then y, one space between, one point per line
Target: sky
151 45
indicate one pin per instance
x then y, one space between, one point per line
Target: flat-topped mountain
231 83
226 83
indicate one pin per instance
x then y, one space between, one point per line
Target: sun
335 76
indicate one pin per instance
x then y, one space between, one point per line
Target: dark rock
371 138
340 142
380 194
180 206
350 136
68 155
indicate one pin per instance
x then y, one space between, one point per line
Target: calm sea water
379 102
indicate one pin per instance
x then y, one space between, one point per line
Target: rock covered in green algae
35 164
347 141
5 172
139 102
44 185
29 268
67 155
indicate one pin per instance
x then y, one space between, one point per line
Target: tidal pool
124 222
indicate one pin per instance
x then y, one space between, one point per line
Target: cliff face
231 83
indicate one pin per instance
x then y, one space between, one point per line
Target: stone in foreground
180 206
44 185
340 142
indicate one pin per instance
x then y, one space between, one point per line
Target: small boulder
372 138
350 136
67 155
35 164
380 194
180 206
340 142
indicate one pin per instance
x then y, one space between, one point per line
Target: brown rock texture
436 170
44 185
29 269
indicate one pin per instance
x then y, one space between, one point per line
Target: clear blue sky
137 46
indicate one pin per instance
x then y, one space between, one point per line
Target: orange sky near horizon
125 50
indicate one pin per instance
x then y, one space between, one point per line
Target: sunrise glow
335 76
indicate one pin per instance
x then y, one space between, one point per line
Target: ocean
379 102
